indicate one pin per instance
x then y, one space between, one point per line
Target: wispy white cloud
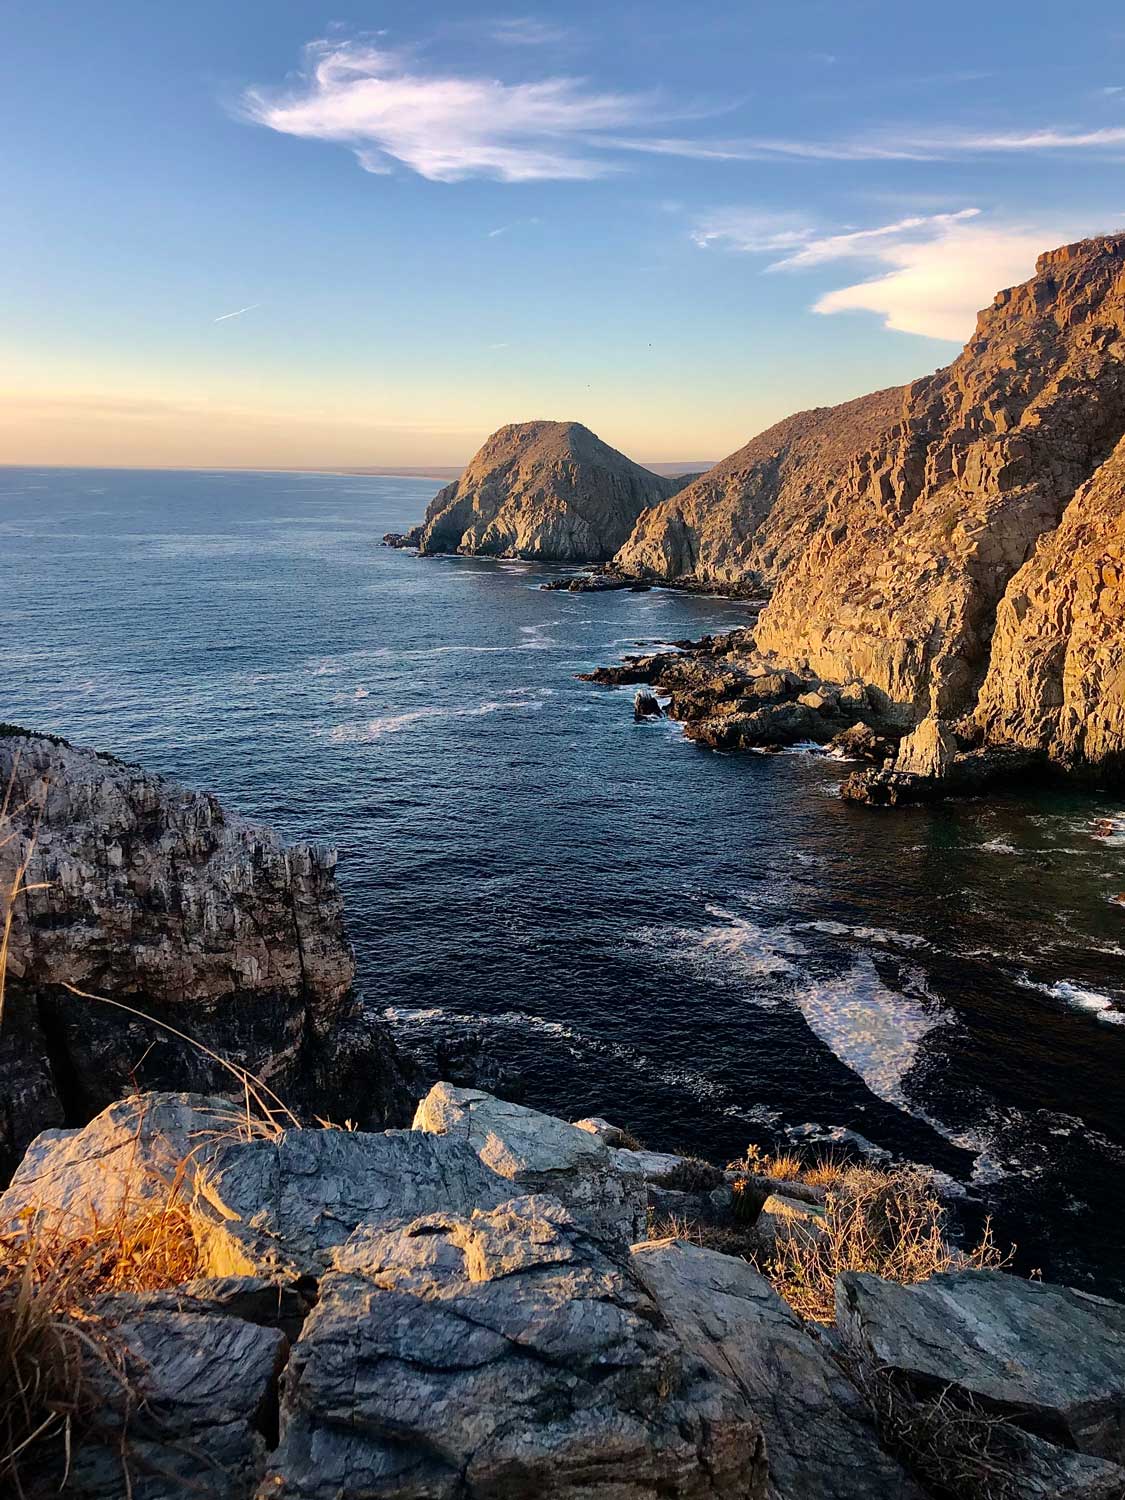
494 234
751 231
935 270
237 312
898 145
445 127
936 283
877 242
527 31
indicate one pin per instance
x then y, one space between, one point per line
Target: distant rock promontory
551 491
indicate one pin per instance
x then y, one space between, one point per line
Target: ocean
708 949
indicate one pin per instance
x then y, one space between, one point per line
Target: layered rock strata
552 491
955 546
153 896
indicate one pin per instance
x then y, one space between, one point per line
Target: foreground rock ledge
390 1316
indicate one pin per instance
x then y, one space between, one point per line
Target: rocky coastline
731 697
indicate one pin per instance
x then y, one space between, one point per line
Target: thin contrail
237 313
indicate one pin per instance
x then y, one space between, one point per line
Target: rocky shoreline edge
729 696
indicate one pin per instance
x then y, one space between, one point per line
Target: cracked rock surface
502 1353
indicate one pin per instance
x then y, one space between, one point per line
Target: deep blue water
707 948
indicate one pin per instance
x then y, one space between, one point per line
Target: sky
276 233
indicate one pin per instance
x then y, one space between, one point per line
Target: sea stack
551 491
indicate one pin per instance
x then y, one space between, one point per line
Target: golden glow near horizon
125 427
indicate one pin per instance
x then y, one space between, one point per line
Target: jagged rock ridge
153 895
546 490
970 537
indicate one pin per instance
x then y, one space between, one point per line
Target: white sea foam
385 724
731 946
873 1030
998 846
1109 830
1078 997
885 936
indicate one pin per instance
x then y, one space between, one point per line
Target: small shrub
693 1175
890 1223
51 1336
629 1142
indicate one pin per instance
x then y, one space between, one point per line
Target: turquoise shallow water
708 948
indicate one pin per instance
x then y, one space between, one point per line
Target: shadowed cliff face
546 490
892 536
147 893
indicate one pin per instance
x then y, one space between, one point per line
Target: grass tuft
889 1223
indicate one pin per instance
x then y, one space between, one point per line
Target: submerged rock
645 706
546 490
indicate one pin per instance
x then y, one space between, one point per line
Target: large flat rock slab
132 1154
538 1153
820 1444
1051 1358
502 1354
279 1207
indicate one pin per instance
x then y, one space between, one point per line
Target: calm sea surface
707 948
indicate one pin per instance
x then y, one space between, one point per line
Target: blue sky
673 224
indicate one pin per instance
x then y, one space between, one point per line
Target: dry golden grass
785 1166
890 1223
825 1172
52 1339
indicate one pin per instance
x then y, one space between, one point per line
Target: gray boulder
502 1354
185 1403
538 1153
131 1154
819 1442
1051 1358
279 1207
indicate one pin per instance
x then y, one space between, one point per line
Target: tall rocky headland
546 490
957 545
145 893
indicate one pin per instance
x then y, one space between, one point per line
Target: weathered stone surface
819 1443
747 519
540 1154
1051 1358
1047 1472
129 1155
503 1354
155 896
1056 675
203 1399
611 1135
279 1207
964 529
547 490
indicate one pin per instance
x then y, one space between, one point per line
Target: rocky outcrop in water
146 893
405 1321
955 546
545 490
729 697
